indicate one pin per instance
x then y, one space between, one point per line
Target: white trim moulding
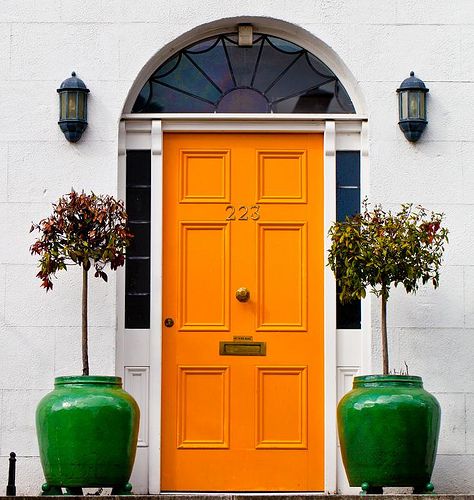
330 384
244 117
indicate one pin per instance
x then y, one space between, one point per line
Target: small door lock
169 322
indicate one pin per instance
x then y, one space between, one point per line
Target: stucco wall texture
108 42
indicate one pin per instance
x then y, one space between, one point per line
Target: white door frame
139 351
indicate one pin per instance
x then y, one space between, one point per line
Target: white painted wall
108 42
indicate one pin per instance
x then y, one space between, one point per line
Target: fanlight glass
218 75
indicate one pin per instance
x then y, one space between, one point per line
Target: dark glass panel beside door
137 266
137 279
138 168
347 204
138 203
140 246
137 311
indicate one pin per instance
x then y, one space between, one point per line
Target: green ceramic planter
87 431
388 430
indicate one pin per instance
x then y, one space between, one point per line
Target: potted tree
388 424
87 426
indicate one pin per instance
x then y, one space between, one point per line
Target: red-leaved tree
87 230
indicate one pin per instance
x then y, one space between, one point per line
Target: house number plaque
243 212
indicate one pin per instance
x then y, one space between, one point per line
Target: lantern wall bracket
73 107
412 107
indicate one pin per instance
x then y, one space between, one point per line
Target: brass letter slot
242 348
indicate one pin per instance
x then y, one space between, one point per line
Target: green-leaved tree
377 249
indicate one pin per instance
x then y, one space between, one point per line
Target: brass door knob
242 294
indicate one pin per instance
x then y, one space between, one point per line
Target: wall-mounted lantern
412 107
73 107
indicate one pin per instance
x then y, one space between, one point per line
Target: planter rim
392 380
88 380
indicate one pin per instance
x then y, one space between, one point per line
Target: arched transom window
217 75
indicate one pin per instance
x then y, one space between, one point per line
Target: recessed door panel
204 176
243 276
282 176
203 411
282 276
282 391
204 273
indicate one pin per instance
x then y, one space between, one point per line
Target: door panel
243 210
281 263
204 272
282 392
203 407
282 176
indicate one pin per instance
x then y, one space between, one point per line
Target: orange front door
243 387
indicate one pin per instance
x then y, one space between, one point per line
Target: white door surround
139 351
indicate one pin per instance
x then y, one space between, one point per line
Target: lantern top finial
73 83
413 83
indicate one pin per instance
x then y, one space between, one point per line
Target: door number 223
243 212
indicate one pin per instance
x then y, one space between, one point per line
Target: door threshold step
257 496
302 495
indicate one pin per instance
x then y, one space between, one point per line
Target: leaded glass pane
166 100
243 101
216 75
273 63
283 45
243 61
215 64
203 46
188 79
168 67
298 80
341 97
319 67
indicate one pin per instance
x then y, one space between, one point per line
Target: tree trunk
384 333
85 355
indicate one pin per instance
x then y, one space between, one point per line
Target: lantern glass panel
81 106
422 106
71 105
413 105
62 105
403 105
